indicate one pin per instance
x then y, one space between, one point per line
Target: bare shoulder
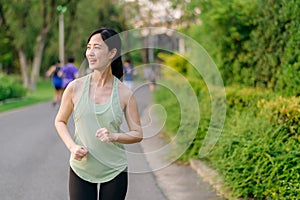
124 91
125 94
76 83
80 81
53 67
76 87
51 70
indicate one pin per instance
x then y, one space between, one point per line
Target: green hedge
11 87
258 152
256 46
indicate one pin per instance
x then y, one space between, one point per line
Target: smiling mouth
92 61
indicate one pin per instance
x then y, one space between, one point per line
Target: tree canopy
254 43
29 32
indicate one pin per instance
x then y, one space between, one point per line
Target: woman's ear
113 52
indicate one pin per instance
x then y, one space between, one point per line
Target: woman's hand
79 152
105 136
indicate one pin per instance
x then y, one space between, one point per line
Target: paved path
34 161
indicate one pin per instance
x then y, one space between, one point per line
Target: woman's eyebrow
94 44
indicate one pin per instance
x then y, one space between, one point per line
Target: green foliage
21 22
262 164
175 125
175 61
173 110
43 93
240 98
4 89
275 45
258 153
136 57
254 43
11 87
284 112
6 50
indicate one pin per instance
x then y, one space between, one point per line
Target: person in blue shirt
129 72
57 81
69 72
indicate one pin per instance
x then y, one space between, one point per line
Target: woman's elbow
58 122
140 136
137 140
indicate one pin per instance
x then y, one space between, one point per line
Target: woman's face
98 54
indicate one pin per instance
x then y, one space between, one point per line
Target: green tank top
105 160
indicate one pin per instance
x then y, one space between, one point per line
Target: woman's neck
102 78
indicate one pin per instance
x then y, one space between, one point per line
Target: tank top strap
86 87
115 100
83 96
115 92
87 83
115 85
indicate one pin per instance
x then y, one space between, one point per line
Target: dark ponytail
112 40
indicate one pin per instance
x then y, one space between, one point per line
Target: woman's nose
90 51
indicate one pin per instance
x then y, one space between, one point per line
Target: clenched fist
79 152
105 136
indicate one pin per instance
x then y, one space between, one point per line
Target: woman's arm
50 71
61 121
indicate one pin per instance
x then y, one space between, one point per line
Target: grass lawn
44 92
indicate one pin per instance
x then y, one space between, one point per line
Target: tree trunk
144 51
37 61
24 68
40 43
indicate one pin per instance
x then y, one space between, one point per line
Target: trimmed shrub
258 152
10 87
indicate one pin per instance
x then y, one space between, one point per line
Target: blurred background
254 43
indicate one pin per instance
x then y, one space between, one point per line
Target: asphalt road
34 161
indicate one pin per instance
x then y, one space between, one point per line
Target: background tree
28 24
6 50
30 32
90 15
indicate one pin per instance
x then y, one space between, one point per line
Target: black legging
115 189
